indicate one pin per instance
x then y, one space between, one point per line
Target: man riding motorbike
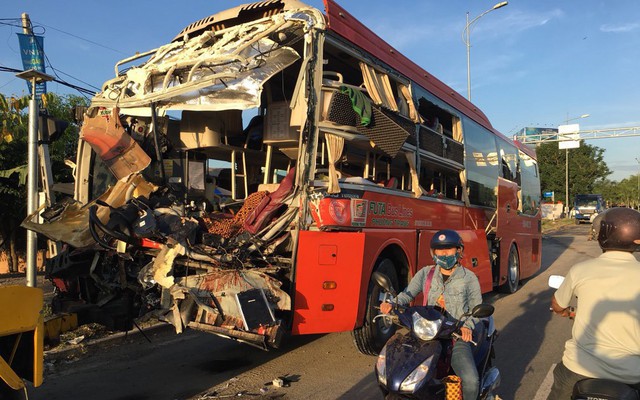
605 340
455 289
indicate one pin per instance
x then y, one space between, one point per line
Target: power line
79 80
60 81
86 40
17 22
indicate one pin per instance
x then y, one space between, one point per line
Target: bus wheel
372 336
513 272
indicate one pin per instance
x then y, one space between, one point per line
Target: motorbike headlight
423 328
411 382
381 366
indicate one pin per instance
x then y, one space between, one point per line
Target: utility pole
34 78
32 177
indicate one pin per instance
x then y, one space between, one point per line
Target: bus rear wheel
513 272
372 336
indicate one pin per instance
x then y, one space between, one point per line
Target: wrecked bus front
187 199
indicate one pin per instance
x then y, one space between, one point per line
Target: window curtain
406 93
457 129
335 145
415 180
378 87
463 183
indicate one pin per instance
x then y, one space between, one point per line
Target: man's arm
415 287
558 309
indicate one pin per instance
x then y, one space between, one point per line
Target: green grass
552 225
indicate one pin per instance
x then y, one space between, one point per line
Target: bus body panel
516 228
345 259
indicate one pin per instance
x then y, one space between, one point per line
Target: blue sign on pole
32 53
547 194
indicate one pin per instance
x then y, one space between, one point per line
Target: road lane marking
545 386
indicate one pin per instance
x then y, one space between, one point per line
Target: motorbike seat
603 389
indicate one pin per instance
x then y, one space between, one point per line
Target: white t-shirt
605 340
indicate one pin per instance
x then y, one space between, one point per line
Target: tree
625 192
13 150
586 167
13 154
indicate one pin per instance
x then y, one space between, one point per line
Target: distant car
586 206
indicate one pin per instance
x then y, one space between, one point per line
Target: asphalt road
201 366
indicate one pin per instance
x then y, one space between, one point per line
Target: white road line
545 386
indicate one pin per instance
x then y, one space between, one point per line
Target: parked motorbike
597 389
412 365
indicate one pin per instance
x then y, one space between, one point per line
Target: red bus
248 177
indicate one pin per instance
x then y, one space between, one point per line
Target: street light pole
465 38
566 166
34 77
638 199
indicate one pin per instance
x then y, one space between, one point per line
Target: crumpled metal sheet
107 137
225 284
164 262
73 225
206 72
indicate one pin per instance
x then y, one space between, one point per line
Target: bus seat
270 205
209 128
277 127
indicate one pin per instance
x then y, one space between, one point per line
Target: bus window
481 164
530 184
509 161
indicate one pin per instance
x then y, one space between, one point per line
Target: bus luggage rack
387 135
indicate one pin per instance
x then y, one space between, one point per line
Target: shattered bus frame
247 178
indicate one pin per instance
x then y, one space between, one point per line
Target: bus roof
343 24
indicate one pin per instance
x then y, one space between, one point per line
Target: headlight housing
423 328
381 366
411 382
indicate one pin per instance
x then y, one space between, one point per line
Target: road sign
567 129
569 144
547 194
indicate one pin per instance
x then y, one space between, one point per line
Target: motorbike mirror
555 281
482 311
383 281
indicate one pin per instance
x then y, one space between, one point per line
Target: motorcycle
413 365
595 388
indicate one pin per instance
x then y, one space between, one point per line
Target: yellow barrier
21 320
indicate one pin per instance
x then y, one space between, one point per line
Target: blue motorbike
412 365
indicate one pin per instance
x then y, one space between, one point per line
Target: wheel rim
513 268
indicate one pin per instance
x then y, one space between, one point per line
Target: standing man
454 288
605 340
595 226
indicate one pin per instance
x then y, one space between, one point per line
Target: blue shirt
461 291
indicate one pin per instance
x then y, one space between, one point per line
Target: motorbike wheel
372 336
513 272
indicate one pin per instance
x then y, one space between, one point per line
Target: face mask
446 262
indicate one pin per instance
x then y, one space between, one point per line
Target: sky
533 63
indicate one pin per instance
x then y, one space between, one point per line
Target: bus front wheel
513 272
372 336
